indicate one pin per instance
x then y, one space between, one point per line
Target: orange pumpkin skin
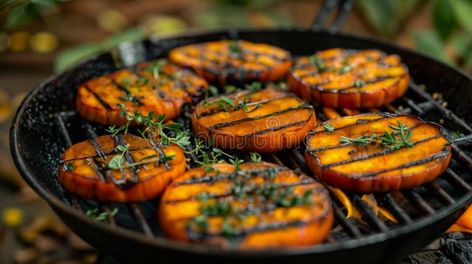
374 79
217 61
139 90
274 120
373 168
80 173
180 204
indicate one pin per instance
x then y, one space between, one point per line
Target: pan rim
176 246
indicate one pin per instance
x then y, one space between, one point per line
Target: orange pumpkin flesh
349 78
374 167
85 170
254 215
149 88
270 121
234 61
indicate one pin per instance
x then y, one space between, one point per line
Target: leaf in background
463 13
386 16
20 15
130 35
69 57
429 42
443 18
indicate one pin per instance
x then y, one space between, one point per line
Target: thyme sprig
400 137
96 214
117 161
318 63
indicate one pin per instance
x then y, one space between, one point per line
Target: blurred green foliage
450 38
22 12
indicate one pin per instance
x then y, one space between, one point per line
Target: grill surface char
47 123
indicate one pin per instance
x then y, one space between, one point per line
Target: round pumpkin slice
155 86
234 61
254 205
349 78
377 152
123 168
264 121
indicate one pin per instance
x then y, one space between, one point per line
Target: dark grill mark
351 125
248 119
228 176
438 155
249 190
272 129
129 159
99 99
376 154
124 89
343 145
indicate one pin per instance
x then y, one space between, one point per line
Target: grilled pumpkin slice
256 205
123 168
377 152
230 61
157 87
349 78
264 121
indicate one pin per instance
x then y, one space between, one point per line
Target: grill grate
406 206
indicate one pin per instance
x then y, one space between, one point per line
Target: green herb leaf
318 62
256 157
328 127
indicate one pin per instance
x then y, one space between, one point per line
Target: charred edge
248 119
344 145
442 154
99 99
373 155
228 176
136 101
249 190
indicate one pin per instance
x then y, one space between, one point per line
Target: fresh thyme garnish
156 67
68 166
100 216
345 69
318 62
223 102
360 141
389 140
358 83
254 87
328 127
229 88
212 90
234 48
256 157
117 161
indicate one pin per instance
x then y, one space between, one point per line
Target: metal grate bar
457 181
418 201
396 209
441 193
370 216
139 217
446 112
462 156
343 221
